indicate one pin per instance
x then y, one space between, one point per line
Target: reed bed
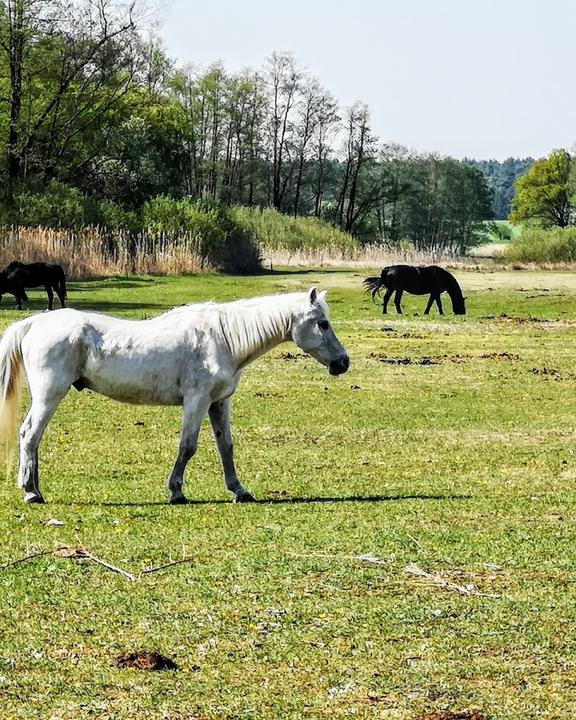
97 252
94 252
368 256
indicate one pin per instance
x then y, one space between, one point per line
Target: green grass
465 467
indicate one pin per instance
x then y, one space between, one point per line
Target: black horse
17 276
432 280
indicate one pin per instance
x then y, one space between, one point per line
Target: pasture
448 446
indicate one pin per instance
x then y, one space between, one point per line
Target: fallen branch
107 565
371 559
439 581
83 554
167 565
24 559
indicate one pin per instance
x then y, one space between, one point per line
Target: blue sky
476 78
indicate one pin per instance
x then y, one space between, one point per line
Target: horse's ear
312 295
322 295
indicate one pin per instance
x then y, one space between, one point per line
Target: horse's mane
250 324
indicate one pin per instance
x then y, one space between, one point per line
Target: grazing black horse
17 276
432 280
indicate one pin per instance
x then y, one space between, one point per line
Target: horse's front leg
194 411
50 296
439 303
430 303
220 418
397 300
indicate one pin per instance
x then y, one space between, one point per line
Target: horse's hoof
179 500
245 497
31 498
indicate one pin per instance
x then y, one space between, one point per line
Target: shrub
221 241
112 216
274 231
538 245
57 205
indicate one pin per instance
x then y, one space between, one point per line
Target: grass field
449 445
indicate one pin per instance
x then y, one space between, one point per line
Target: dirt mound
462 715
403 361
291 356
500 356
143 660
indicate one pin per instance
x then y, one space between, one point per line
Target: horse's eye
323 324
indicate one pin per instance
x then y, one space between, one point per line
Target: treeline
501 177
100 124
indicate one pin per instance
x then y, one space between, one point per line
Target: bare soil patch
143 660
462 715
292 356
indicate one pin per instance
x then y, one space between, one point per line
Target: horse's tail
374 284
11 384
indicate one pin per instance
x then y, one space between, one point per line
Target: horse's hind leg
430 303
31 432
194 412
385 301
220 418
48 289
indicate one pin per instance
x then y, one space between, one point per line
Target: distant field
496 242
449 445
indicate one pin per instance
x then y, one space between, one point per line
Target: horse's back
415 279
35 274
401 277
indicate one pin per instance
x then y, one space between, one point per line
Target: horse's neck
252 331
452 287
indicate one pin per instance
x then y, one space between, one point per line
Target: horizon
435 84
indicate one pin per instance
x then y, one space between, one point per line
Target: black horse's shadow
274 501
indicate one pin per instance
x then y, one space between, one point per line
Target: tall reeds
95 252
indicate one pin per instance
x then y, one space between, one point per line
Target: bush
274 231
220 240
537 245
57 205
112 216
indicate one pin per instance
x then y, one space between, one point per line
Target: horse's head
459 305
312 332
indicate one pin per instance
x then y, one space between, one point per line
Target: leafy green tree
545 192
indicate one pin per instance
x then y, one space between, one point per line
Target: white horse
191 356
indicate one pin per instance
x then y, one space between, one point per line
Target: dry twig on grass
167 565
24 559
79 553
85 554
439 581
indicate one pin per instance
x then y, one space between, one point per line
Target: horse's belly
137 386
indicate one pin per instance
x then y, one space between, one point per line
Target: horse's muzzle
337 367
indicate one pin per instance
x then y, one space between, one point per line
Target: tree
328 122
359 192
69 63
545 192
283 79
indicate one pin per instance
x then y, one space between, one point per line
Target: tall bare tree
283 79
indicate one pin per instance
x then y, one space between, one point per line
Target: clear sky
476 78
